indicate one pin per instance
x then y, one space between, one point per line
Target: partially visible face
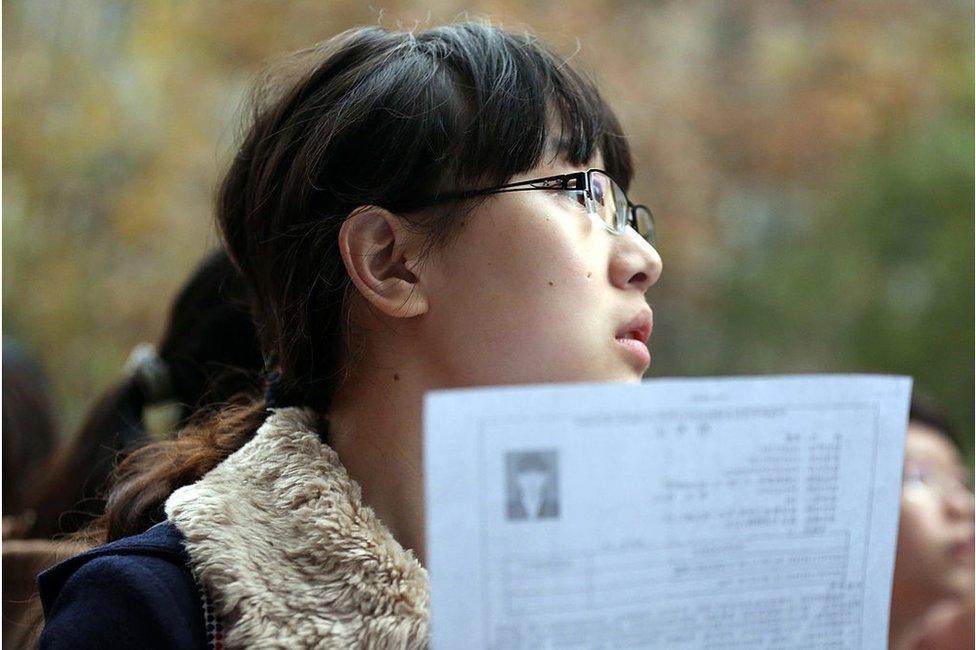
536 290
935 537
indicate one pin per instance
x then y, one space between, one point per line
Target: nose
959 502
634 263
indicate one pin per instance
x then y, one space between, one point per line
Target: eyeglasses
941 481
594 188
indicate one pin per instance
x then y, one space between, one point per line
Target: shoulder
135 592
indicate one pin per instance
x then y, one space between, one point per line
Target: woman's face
935 538
537 290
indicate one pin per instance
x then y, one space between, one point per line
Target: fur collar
278 536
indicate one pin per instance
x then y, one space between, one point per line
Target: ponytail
147 476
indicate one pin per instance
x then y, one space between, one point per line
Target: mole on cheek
551 283
589 274
396 377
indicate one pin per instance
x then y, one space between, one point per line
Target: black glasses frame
575 181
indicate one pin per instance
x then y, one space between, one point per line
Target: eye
598 189
916 476
576 197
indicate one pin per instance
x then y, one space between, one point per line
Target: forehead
924 443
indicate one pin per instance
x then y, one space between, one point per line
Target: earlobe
380 257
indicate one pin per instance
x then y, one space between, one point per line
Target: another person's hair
924 410
369 117
207 354
29 432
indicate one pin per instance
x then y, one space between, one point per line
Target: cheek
921 536
915 526
525 304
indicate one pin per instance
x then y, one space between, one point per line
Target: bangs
410 117
509 104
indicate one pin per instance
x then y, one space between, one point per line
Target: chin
625 377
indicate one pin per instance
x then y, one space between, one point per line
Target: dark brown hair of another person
924 410
29 432
210 350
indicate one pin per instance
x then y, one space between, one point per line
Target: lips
639 328
633 336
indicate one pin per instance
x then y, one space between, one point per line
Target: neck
375 426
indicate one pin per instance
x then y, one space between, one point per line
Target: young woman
410 211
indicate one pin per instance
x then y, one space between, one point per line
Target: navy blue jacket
135 592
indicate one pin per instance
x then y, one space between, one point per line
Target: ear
381 257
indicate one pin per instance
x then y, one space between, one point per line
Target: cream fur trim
290 556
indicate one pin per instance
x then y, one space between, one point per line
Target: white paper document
752 512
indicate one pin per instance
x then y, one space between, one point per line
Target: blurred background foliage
810 165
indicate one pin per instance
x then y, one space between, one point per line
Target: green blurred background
810 165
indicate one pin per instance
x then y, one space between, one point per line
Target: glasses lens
609 201
645 223
613 208
620 209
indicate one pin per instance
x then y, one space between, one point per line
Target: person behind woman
29 432
409 211
932 591
207 348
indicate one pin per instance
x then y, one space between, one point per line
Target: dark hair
377 117
531 462
29 432
369 117
924 410
209 345
209 353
